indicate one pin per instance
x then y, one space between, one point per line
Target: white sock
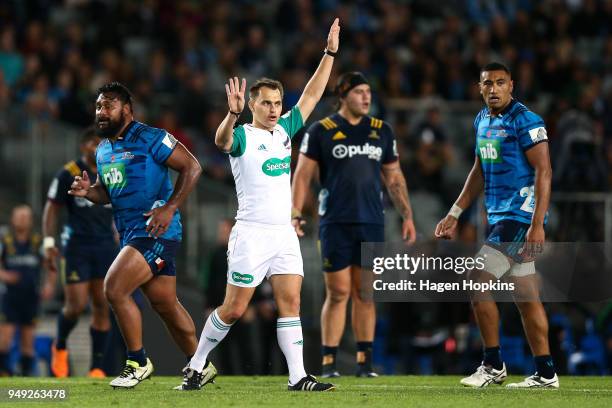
291 342
214 331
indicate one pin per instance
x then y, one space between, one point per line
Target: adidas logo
262 147
212 340
299 342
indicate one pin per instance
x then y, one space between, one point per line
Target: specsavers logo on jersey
276 167
114 175
341 151
490 150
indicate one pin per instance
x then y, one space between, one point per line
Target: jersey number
529 203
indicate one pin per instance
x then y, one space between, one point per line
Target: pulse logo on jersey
114 175
342 151
490 151
276 167
242 278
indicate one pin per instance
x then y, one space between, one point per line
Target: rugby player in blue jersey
88 248
133 161
512 166
355 155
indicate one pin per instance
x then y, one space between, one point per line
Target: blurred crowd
175 56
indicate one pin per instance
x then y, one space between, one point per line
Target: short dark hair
267 83
118 91
88 134
495 66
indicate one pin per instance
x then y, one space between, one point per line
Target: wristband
237 114
48 242
330 53
455 211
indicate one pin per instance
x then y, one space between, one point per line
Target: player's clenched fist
80 185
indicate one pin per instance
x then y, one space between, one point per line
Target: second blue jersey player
512 166
133 162
351 150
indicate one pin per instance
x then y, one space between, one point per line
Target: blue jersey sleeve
311 145
160 143
390 154
530 129
476 123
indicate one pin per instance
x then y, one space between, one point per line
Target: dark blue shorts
341 243
508 237
20 307
159 253
83 263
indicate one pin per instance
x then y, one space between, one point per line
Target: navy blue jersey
25 258
133 171
350 162
87 222
501 143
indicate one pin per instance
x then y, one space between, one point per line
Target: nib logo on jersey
490 150
341 151
114 175
276 167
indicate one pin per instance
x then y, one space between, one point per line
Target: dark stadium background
422 58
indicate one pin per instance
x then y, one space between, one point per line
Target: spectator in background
432 154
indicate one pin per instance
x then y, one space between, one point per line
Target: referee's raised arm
317 83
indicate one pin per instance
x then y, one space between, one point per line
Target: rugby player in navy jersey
20 270
133 161
355 155
88 248
512 166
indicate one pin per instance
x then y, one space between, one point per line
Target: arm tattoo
398 191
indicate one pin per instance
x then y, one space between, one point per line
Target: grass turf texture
393 391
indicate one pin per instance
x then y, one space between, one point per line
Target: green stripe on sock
218 324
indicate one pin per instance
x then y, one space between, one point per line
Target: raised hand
80 185
333 38
235 94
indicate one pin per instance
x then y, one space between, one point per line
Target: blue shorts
340 244
508 237
20 307
159 253
83 263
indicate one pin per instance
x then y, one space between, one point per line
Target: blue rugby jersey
501 143
350 161
133 171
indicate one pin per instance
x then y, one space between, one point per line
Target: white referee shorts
257 251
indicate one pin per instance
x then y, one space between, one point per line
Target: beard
111 128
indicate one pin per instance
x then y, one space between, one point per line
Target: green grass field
396 391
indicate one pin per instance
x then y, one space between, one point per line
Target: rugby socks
214 331
139 356
291 342
99 339
544 366
27 365
329 354
64 327
364 350
4 364
492 357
